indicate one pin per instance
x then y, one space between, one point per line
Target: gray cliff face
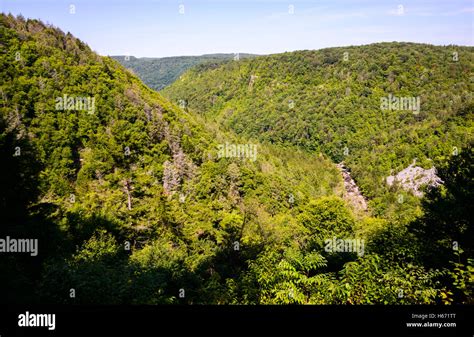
413 178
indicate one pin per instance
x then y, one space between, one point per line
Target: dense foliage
131 202
330 101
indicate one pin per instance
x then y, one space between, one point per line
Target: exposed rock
351 191
413 178
251 82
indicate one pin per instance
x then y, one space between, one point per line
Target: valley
231 198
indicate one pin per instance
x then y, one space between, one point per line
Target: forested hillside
158 73
135 200
335 101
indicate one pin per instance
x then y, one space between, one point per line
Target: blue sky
157 28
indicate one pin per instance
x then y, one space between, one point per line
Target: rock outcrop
414 178
351 191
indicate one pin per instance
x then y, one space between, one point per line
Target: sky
159 28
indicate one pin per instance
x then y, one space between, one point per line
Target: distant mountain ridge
160 72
